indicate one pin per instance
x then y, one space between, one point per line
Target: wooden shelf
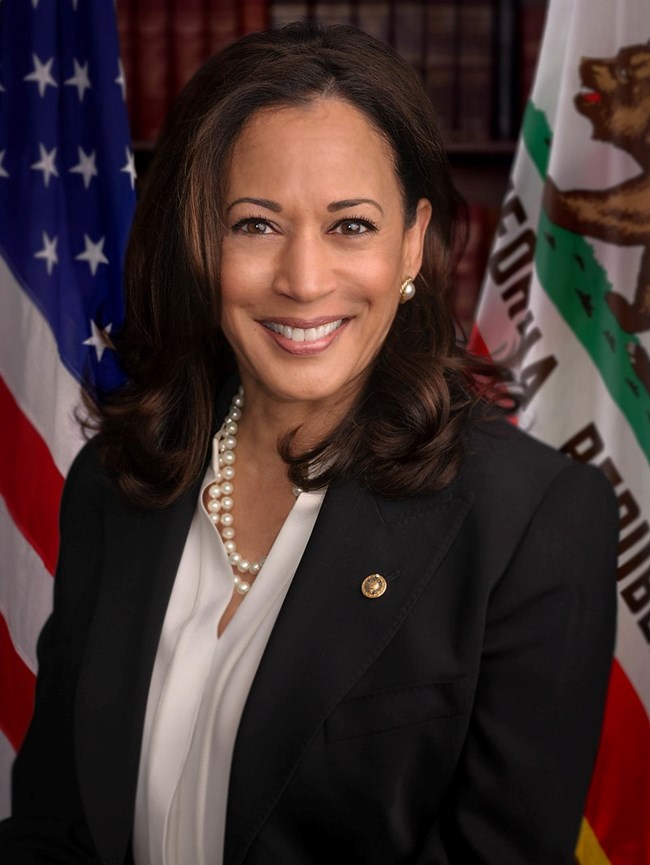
488 150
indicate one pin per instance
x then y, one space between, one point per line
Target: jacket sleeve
522 781
47 823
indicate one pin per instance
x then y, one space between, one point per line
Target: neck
267 420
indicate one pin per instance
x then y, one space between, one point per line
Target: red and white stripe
38 441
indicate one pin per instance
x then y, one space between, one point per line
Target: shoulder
87 486
86 468
80 512
508 468
86 471
531 503
496 446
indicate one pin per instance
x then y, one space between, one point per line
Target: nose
305 268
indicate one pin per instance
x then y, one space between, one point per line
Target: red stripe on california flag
476 345
620 788
17 680
30 482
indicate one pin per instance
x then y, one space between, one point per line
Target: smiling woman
316 601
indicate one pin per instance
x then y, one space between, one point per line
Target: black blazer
454 720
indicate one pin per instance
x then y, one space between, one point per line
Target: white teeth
299 334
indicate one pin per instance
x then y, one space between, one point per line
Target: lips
307 334
302 337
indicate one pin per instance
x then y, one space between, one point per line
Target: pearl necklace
220 493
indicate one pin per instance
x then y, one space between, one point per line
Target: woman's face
314 253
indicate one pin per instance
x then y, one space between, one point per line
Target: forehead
325 142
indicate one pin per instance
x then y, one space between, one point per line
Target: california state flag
566 305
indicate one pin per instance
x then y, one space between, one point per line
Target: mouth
308 333
304 337
591 97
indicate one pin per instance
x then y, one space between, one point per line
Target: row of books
476 57
162 44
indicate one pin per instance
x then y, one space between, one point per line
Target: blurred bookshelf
476 59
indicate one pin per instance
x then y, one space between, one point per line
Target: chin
310 390
307 394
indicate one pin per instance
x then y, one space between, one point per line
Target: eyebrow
334 207
261 202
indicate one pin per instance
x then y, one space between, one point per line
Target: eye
252 225
623 73
354 227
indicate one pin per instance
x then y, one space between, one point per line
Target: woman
341 612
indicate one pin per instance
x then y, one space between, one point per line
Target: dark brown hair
405 433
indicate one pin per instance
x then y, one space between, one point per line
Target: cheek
242 279
382 278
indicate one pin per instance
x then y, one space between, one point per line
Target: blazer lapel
327 634
143 550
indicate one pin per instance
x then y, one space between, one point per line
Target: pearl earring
407 290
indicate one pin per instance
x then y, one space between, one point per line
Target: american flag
67 181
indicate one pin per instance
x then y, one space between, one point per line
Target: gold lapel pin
374 586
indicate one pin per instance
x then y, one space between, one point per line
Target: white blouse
199 687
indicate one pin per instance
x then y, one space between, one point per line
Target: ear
413 248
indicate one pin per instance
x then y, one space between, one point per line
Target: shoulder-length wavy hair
405 432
